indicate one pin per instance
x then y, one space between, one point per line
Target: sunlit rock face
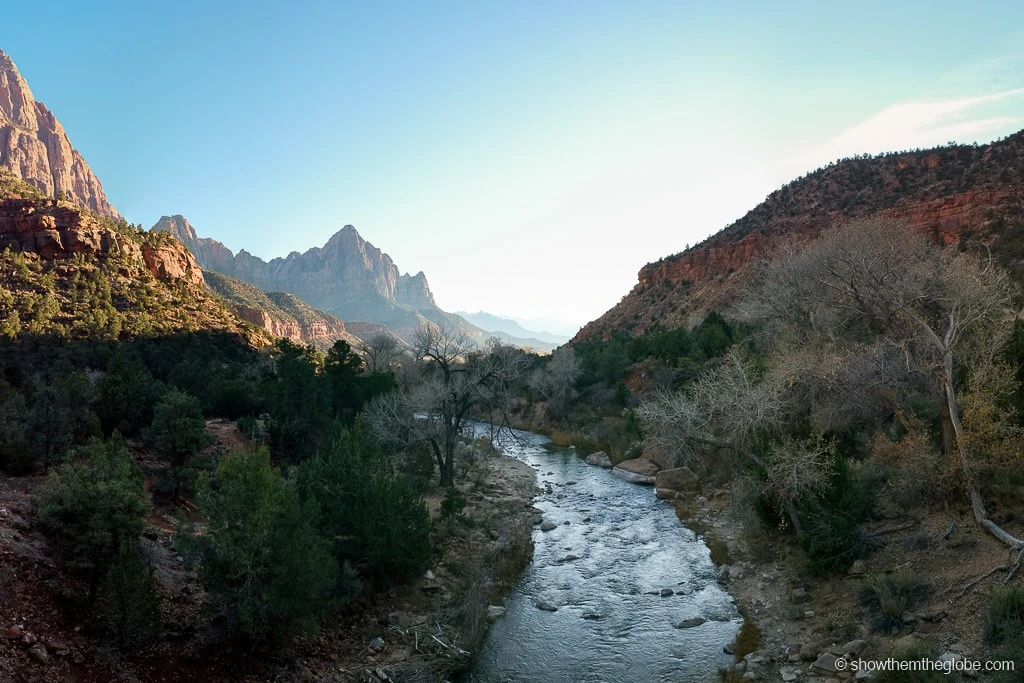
36 147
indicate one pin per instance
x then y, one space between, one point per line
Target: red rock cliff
36 147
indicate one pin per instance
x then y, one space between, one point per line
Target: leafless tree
878 281
555 382
457 382
379 352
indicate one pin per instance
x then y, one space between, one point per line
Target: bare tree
457 382
876 280
380 351
555 382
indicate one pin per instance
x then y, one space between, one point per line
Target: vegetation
267 569
92 505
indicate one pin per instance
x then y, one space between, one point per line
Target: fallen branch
950 530
978 580
893 529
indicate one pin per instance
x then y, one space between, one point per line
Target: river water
608 625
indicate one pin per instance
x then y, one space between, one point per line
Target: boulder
636 471
677 479
494 612
691 622
599 459
548 526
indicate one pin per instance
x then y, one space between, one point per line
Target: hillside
279 313
511 331
348 277
949 193
35 146
73 274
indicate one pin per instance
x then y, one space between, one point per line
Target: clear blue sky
530 157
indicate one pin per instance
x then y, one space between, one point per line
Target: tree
267 569
380 351
178 434
375 517
457 381
556 382
92 505
875 280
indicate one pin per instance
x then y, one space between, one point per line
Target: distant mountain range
511 331
348 278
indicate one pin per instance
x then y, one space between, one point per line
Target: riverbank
806 622
430 630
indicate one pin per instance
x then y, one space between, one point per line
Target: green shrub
377 519
267 569
832 536
178 434
453 504
888 596
129 604
92 505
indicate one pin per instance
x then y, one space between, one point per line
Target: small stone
809 614
729 648
808 652
548 526
855 648
544 605
494 612
723 573
666 592
13 633
826 665
429 575
799 595
377 644
570 557
38 651
28 638
789 675
691 622
78 657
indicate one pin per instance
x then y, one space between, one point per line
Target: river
609 624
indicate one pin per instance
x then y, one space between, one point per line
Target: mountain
279 313
73 274
35 146
511 332
952 193
348 277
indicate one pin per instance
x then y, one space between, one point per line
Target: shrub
92 505
453 504
129 604
377 519
888 596
178 434
261 559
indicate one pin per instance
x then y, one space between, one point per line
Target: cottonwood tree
380 351
556 382
877 281
735 414
458 380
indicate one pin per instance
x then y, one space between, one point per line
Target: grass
748 639
719 551
910 654
888 596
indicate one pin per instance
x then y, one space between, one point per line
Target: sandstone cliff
948 193
348 277
35 146
279 313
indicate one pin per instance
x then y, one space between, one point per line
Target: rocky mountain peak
35 146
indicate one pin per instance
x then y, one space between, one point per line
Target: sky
529 157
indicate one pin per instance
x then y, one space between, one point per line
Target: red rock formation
36 147
941 192
56 231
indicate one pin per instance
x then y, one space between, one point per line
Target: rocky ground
419 632
807 624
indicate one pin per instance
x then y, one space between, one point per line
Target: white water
607 627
